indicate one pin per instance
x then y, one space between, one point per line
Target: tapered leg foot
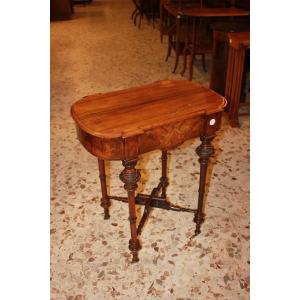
134 247
105 202
130 176
204 151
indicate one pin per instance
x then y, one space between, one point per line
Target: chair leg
135 9
133 14
130 176
184 63
169 48
177 44
141 16
105 203
203 63
135 17
192 48
176 61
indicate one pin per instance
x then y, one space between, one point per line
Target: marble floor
98 51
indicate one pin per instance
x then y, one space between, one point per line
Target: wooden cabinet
230 62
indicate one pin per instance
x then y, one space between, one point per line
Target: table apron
165 137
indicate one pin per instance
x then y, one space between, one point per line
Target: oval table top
133 111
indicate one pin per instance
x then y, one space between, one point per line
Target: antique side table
123 125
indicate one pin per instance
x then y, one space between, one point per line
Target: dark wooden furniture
176 27
197 14
163 19
198 41
239 42
220 53
228 69
145 8
166 15
61 10
125 124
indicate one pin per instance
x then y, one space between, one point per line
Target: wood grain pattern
133 111
220 52
238 43
123 125
161 115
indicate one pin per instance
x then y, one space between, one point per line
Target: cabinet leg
105 203
204 151
130 176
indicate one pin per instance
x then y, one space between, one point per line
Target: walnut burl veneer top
130 112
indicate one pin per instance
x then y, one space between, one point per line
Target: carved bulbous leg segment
105 202
204 151
164 179
130 176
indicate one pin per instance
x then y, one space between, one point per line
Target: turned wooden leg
204 151
164 179
105 203
130 176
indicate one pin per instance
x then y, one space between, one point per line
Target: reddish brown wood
130 176
238 43
219 61
220 53
156 201
105 203
204 151
125 124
